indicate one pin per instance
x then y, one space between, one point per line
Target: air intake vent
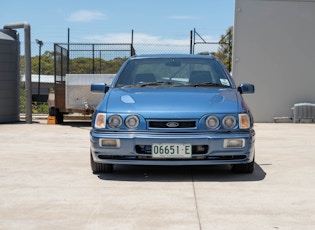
172 124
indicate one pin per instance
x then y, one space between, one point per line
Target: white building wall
274 48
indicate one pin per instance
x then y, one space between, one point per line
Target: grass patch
37 108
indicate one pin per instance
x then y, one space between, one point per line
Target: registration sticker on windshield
225 82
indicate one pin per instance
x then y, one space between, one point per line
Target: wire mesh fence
99 55
206 48
79 58
140 48
143 48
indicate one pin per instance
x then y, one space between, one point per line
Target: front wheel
244 168
99 167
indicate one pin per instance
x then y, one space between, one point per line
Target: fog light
200 149
234 143
110 143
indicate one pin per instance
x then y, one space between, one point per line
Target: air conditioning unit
304 113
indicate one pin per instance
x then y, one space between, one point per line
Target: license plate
171 150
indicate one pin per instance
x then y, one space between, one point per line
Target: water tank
9 76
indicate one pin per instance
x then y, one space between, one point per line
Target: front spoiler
217 154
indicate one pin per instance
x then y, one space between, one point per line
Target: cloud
142 38
146 43
122 38
85 16
139 38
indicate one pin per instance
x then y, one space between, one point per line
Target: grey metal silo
9 76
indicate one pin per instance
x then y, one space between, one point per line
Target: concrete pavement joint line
92 216
195 198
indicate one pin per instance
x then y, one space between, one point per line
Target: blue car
172 110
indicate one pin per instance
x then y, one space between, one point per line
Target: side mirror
99 88
246 88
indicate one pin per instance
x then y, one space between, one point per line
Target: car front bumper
134 148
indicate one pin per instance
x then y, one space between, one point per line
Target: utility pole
40 44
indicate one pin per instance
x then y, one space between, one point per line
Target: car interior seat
197 77
144 77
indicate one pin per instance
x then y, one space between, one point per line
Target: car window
172 72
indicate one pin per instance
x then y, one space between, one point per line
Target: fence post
191 42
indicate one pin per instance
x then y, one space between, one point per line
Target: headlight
100 121
212 122
132 122
229 122
244 121
115 121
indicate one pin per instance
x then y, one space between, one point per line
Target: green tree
46 62
22 97
85 65
112 66
224 52
81 65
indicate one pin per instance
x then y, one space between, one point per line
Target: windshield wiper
206 84
145 84
142 84
158 83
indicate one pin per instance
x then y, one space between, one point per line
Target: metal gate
67 55
83 58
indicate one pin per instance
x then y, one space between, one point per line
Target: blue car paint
187 102
173 104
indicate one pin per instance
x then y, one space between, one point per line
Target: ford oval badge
172 124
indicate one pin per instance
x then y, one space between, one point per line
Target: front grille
172 124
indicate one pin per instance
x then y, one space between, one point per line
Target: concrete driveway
46 183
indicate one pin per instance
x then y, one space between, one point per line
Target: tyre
244 168
59 118
100 168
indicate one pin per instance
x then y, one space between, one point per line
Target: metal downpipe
28 71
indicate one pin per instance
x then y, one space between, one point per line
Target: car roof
172 56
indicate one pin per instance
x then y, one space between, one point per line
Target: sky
111 21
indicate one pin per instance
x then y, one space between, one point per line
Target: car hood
171 102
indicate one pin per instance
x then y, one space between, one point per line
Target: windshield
173 72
